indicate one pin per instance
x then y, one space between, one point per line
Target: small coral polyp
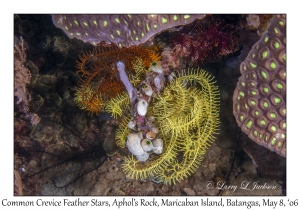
186 120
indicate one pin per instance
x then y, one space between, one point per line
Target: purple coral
122 29
259 100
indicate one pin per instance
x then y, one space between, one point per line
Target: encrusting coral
188 118
123 29
259 100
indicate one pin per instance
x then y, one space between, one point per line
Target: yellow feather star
86 99
140 71
188 118
122 131
117 105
